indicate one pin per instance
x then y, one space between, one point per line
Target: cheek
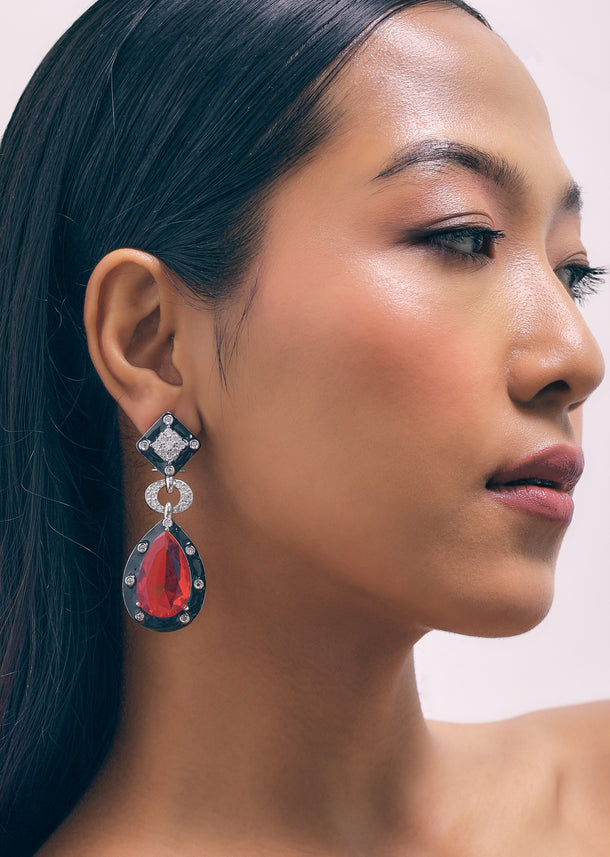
351 396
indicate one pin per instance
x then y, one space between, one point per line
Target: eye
581 280
467 242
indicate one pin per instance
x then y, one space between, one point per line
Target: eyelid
584 280
458 220
439 239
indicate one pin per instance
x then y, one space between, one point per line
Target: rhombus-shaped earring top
168 445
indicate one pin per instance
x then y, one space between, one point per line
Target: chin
509 621
512 601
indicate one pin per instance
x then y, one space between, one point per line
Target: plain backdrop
567 658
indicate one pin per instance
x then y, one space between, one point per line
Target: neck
290 712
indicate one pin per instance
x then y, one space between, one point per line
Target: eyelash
440 240
584 280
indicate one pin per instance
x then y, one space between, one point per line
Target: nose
555 361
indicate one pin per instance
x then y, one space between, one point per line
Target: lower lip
545 503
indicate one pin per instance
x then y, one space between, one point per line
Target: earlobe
129 317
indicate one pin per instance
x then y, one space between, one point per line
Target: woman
321 267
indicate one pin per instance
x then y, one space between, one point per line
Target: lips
559 466
540 484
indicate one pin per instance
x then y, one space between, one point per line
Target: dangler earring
164 579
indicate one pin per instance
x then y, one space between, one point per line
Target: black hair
159 125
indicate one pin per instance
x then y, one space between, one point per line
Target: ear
132 312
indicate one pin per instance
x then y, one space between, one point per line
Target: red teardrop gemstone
164 581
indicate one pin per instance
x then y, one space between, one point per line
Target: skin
340 500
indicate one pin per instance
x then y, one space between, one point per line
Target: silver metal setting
152 496
134 568
168 443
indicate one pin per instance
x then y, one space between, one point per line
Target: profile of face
413 333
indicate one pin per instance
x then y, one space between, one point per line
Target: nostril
555 391
555 387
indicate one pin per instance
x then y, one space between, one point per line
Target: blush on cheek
355 347
424 357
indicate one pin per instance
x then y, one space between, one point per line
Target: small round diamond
139 616
194 443
144 445
190 549
185 618
198 583
130 580
169 470
142 547
168 419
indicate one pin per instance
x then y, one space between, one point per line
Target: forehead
436 72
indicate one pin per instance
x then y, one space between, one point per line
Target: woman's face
397 354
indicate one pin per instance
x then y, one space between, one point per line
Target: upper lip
562 465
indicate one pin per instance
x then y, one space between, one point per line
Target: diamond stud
139 616
130 580
190 550
168 443
185 618
198 583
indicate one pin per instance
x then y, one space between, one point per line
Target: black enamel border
134 563
152 434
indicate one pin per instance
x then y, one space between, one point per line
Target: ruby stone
164 581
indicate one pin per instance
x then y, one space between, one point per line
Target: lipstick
541 484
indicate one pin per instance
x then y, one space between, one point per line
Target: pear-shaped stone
164 579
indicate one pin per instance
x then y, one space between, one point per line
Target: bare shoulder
548 770
575 742
577 735
572 735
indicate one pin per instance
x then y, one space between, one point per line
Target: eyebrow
490 165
